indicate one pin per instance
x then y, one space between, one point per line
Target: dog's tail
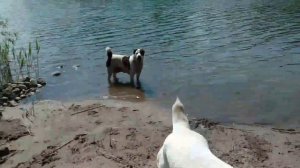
109 56
178 115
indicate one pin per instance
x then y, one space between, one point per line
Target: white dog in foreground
185 148
132 65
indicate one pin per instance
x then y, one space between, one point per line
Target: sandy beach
114 133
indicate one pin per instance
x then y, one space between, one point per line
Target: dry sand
112 134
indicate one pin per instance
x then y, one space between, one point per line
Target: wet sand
114 133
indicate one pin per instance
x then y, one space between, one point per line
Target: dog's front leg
132 78
138 83
138 77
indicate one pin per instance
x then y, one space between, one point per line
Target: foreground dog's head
139 54
179 117
185 147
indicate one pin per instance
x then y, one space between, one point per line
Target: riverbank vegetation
19 67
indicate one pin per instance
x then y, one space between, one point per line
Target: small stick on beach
114 158
110 144
86 110
62 146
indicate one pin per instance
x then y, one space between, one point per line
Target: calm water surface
228 60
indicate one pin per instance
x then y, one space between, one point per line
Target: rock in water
13 85
8 91
27 79
27 84
33 83
32 89
16 91
4 99
13 103
22 86
56 73
41 81
4 151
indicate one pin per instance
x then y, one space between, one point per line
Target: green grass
16 63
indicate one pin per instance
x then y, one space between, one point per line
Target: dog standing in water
132 65
185 148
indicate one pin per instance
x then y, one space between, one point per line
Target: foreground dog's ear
142 51
134 50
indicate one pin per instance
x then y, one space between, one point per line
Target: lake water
228 60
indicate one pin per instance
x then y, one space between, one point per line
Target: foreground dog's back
117 63
184 148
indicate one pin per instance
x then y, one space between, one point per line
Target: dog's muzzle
139 58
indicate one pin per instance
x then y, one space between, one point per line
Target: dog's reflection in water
125 91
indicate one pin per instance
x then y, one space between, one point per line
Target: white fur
136 61
185 148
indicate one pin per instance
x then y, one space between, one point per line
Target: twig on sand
86 110
288 131
114 158
110 144
62 146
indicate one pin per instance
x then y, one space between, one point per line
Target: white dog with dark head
185 148
132 65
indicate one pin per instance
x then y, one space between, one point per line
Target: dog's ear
142 51
134 50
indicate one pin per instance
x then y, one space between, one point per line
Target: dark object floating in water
293 64
56 73
60 67
76 67
41 81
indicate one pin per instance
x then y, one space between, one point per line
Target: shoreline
117 133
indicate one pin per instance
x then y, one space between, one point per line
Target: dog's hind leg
132 78
115 77
109 76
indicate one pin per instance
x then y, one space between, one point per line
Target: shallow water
231 61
